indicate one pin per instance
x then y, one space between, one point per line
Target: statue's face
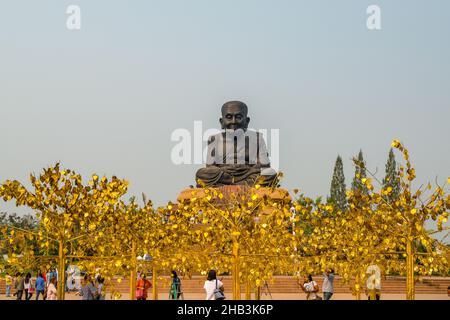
234 117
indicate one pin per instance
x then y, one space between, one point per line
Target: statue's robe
236 157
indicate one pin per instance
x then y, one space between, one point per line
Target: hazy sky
106 98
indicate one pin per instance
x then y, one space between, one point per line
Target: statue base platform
275 194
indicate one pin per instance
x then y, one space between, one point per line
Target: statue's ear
221 122
248 120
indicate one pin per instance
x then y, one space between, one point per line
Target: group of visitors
213 287
45 286
25 286
92 289
311 288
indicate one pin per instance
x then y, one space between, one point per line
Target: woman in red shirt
142 287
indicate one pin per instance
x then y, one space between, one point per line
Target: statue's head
234 115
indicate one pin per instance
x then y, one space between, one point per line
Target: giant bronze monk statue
236 156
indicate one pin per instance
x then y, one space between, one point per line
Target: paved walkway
278 296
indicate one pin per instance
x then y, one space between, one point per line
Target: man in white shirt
328 286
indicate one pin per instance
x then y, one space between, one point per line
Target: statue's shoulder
253 134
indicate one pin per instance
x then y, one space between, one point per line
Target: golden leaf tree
374 231
404 222
245 232
68 212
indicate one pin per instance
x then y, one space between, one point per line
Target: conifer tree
391 181
360 173
338 195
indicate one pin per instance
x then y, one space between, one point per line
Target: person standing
142 287
66 281
49 276
175 288
97 276
328 284
55 275
101 288
8 283
44 276
40 286
19 286
311 288
28 286
375 292
52 293
70 279
212 284
87 291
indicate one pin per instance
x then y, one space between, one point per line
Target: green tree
338 195
27 221
360 173
391 181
